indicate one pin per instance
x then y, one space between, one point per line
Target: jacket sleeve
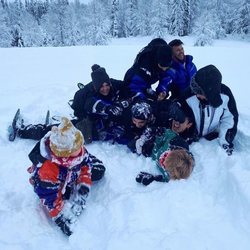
138 86
229 119
79 102
165 82
48 188
98 169
35 155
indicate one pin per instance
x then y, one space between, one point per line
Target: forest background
29 23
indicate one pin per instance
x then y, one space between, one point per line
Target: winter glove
113 110
146 136
228 148
123 104
63 223
146 178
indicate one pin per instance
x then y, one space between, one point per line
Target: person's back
148 68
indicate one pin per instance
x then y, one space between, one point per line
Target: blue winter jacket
178 77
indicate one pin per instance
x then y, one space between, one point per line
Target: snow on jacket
223 119
52 177
178 77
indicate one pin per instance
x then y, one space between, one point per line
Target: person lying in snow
168 115
213 106
94 106
62 173
172 157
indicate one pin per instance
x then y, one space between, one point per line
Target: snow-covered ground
210 210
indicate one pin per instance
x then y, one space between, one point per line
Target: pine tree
159 18
99 24
243 24
144 17
180 17
5 34
114 18
131 21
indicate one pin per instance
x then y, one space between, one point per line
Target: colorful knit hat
65 139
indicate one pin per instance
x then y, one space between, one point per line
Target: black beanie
209 80
99 76
141 111
164 55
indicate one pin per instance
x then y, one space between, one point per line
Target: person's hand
147 178
229 149
114 110
161 96
123 104
63 223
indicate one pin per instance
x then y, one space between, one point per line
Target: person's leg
34 132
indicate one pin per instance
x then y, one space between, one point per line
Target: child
62 173
172 158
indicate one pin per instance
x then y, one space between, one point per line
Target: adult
93 106
148 68
213 106
179 75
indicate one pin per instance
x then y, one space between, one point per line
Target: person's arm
229 120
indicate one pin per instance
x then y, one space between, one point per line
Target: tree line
63 23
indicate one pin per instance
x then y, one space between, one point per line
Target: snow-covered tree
159 24
243 21
99 24
130 18
114 18
57 23
5 34
144 17
180 17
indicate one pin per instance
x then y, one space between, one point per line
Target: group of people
186 105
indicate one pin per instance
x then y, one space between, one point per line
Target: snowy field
208 211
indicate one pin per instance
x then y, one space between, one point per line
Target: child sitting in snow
172 157
62 173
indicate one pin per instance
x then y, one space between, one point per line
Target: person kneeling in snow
172 157
62 173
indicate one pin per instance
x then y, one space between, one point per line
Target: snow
210 210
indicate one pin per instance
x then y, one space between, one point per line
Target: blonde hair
179 164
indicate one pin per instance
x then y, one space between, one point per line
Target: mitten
63 223
147 178
228 148
113 110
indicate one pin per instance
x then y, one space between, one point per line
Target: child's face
181 127
76 153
